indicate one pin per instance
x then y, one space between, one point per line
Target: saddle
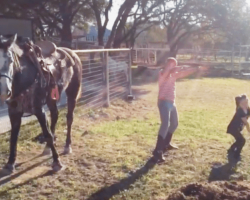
52 56
48 58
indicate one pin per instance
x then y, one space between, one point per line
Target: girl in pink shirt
166 104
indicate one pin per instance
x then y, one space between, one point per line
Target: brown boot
167 144
158 152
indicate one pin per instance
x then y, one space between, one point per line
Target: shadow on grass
48 173
221 172
16 175
124 184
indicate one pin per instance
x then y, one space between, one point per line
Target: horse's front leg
15 120
70 116
54 116
41 116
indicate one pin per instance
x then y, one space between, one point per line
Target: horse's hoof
8 169
67 150
57 166
46 151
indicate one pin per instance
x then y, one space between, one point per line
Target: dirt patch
213 191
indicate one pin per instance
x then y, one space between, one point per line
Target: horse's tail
77 68
79 95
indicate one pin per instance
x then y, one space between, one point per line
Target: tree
100 10
146 14
51 17
155 33
237 28
134 17
60 15
119 23
185 18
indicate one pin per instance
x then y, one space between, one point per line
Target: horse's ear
12 40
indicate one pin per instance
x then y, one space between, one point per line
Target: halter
16 65
5 76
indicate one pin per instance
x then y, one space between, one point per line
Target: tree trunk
131 42
66 35
173 51
120 23
101 32
163 56
118 39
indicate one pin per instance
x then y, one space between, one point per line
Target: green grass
109 160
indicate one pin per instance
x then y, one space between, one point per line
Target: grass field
111 148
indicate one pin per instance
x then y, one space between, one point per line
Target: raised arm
188 71
244 119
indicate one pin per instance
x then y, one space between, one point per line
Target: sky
113 13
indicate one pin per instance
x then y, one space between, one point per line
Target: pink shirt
167 87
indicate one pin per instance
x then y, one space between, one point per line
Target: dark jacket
236 124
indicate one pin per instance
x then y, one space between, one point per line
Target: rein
5 76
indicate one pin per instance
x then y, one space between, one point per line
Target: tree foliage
236 27
182 19
51 17
134 17
205 19
185 18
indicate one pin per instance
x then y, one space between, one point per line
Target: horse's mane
17 49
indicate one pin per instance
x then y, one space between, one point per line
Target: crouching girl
237 124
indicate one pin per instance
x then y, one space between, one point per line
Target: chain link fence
106 76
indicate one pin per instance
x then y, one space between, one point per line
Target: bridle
14 64
5 76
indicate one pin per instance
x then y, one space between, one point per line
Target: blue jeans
169 117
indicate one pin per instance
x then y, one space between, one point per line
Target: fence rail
236 59
106 76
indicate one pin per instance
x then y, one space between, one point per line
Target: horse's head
16 66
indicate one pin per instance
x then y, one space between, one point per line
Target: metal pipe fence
151 56
106 76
